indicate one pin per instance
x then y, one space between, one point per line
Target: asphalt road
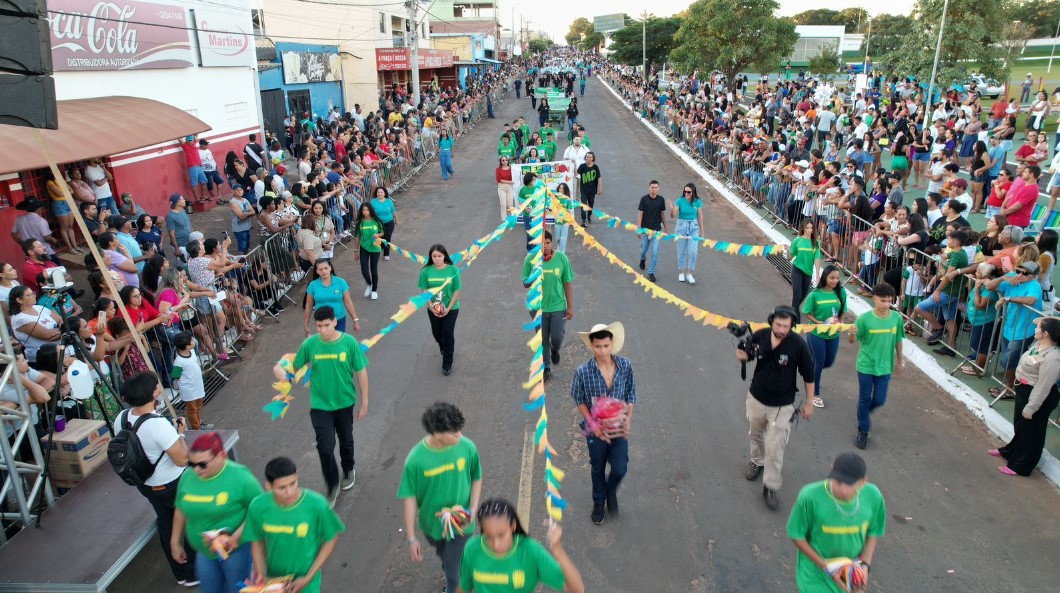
690 522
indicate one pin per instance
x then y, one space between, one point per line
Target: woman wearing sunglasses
211 506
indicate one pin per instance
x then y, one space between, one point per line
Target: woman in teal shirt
688 210
445 305
386 215
445 154
331 291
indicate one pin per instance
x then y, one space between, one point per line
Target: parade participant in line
292 531
441 472
688 210
526 208
843 516
211 507
651 215
825 304
504 559
780 355
562 227
445 154
505 187
328 290
576 153
605 375
336 361
385 212
880 332
443 321
506 148
369 229
557 299
1036 398
590 185
805 251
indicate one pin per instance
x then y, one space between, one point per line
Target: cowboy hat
618 335
31 204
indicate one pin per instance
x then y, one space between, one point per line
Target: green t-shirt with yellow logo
432 277
823 305
507 150
556 273
804 254
878 339
332 365
519 570
366 232
220 502
293 535
440 478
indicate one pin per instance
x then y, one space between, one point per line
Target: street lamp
935 65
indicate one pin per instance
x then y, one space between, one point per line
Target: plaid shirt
589 383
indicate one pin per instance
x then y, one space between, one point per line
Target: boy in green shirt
841 517
880 332
506 148
335 359
557 299
292 531
441 471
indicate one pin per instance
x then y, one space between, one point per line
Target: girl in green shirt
368 229
805 250
446 304
504 559
826 304
506 148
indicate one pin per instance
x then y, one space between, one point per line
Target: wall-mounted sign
303 66
118 35
400 58
225 39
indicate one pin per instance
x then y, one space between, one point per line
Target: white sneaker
691 279
367 290
346 234
386 258
375 296
680 277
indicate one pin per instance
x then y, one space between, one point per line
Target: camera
743 334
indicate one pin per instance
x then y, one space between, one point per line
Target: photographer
779 355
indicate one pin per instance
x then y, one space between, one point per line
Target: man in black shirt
781 356
590 184
651 216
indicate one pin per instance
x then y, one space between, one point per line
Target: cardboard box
77 451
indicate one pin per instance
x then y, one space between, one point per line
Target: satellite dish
79 375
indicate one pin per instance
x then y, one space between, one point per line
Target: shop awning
490 61
96 127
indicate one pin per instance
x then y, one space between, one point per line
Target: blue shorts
946 306
197 176
1011 351
922 157
61 208
837 226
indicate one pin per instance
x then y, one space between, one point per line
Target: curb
997 424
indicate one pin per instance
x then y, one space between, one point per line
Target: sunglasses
201 464
1024 273
688 191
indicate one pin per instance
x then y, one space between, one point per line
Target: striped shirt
588 383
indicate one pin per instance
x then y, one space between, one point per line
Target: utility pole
865 65
935 65
414 59
644 43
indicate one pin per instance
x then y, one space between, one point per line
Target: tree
973 28
1041 15
887 33
1014 38
854 19
626 42
578 30
826 62
731 35
591 41
816 16
539 45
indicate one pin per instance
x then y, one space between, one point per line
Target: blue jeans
872 393
445 159
242 241
107 203
824 353
602 453
223 576
561 231
653 242
687 249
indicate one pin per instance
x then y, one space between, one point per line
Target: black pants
388 232
444 331
370 268
1024 451
590 201
327 425
163 500
800 287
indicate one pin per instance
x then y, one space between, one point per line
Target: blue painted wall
323 95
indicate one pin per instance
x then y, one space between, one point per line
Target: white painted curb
997 424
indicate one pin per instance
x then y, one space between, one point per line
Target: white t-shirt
94 174
965 199
8 394
576 154
43 318
190 381
156 435
5 291
936 169
208 163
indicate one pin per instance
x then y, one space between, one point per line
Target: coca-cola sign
119 35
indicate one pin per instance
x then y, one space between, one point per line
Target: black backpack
126 454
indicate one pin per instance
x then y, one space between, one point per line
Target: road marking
526 479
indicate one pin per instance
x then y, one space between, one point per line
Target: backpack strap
136 426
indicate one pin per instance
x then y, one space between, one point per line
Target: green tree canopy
626 42
826 62
731 35
848 17
578 30
591 41
539 45
887 33
1040 15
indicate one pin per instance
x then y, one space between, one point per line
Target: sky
555 16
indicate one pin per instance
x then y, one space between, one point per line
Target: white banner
225 39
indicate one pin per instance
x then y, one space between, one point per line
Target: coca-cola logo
104 35
104 30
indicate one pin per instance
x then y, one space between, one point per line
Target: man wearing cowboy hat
605 375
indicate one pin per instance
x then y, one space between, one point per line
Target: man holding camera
779 355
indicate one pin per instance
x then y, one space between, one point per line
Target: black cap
848 468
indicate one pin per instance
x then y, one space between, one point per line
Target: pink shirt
1026 194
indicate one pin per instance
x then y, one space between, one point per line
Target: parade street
690 521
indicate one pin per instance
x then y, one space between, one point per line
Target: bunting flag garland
554 502
700 315
720 246
457 257
415 257
282 400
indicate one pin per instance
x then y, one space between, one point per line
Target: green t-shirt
548 147
293 535
957 259
507 150
366 233
220 502
835 529
546 132
526 564
525 129
432 277
805 254
555 273
439 478
333 364
878 339
823 305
